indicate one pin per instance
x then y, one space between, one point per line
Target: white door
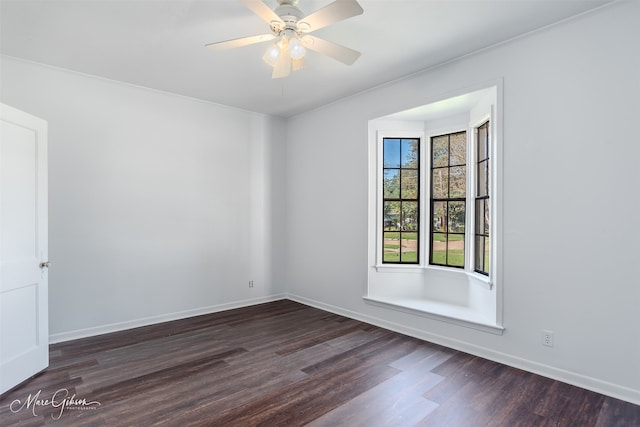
24 312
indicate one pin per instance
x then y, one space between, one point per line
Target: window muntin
448 199
400 200
482 202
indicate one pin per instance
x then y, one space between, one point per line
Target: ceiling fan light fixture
272 54
291 28
286 44
296 49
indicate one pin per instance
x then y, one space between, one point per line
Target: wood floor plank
397 401
284 363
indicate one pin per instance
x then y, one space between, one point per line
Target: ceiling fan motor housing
290 15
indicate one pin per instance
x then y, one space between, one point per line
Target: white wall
160 206
570 200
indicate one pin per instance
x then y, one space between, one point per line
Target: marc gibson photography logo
60 401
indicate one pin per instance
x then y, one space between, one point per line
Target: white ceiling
160 44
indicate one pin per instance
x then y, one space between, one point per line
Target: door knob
44 264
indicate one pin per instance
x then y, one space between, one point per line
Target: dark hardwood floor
284 363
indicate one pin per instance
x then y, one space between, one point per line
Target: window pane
456 217
479 250
409 153
479 216
409 247
458 181
409 216
455 250
440 147
391 185
458 147
391 155
439 216
482 143
487 216
487 251
482 217
439 248
391 216
409 184
482 179
440 183
391 252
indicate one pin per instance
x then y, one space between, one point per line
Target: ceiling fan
290 27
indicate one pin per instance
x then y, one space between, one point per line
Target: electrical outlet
251 283
547 338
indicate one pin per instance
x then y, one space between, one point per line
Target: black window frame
402 200
447 201
482 200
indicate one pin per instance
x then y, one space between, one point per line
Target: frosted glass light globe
296 50
272 54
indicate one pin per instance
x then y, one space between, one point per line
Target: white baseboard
146 321
573 378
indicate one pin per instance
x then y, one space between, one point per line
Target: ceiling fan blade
262 10
333 12
243 41
283 65
333 50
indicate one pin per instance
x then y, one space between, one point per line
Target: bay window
433 225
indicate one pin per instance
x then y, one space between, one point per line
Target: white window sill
458 315
399 268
